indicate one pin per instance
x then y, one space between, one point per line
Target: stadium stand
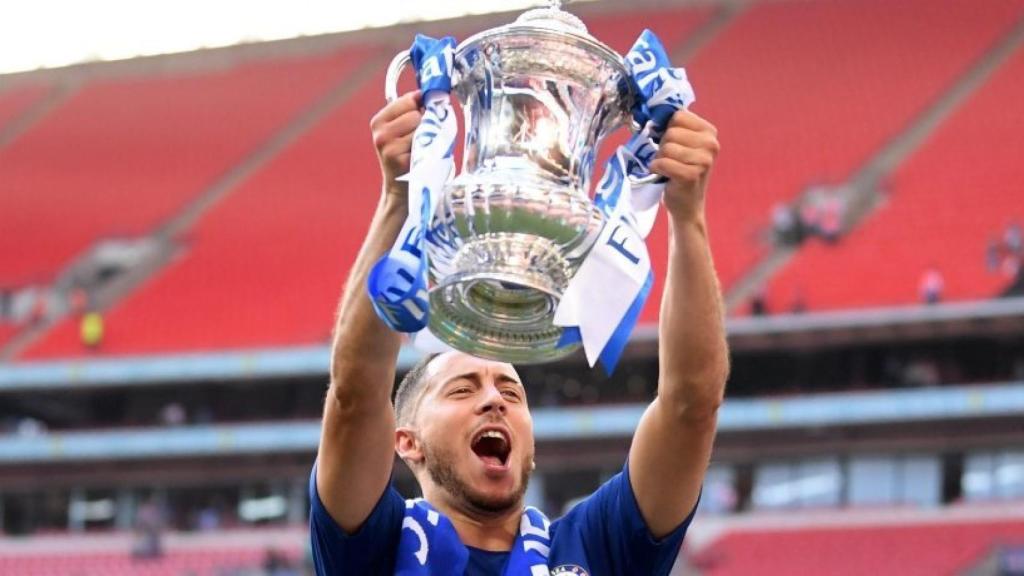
804 92
264 266
16 101
882 550
122 155
218 562
804 42
946 203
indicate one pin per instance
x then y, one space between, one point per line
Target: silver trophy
539 95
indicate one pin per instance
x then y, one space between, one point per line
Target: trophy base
501 303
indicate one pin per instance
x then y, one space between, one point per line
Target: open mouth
492 446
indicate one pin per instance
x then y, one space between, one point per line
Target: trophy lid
553 17
549 22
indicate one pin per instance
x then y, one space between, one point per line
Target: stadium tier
806 92
262 267
121 156
887 550
945 205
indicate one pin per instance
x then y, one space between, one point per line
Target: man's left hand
685 156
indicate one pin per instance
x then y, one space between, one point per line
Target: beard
441 467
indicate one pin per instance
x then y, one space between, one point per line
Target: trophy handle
398 63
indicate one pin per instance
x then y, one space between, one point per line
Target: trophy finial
554 17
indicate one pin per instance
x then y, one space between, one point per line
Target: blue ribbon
617 343
662 91
397 283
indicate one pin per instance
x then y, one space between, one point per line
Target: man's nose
492 400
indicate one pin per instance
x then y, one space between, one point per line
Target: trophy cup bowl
511 230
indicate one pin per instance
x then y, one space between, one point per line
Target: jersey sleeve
369 550
611 515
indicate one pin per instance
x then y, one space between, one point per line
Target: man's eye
461 390
511 394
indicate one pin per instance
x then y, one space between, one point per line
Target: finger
398 128
685 154
692 138
688 119
398 146
677 170
401 105
404 124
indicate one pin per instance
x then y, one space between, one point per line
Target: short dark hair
409 388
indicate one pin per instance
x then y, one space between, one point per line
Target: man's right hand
392 130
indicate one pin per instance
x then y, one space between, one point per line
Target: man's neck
494 533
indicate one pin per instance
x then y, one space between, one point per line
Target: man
463 425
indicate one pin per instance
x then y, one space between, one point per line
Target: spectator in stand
29 427
922 372
79 300
6 301
810 217
91 330
758 304
208 519
1013 239
993 255
1011 266
831 219
931 286
786 225
276 563
173 414
149 523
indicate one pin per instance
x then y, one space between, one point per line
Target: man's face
475 431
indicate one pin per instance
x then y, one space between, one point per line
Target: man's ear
407 446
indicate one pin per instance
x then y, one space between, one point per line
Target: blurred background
175 230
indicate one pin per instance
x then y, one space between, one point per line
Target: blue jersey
604 535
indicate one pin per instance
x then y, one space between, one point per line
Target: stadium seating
946 203
897 550
16 101
123 155
264 268
805 92
213 562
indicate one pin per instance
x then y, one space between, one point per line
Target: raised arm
672 444
357 440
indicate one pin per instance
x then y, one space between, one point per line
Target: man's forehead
451 364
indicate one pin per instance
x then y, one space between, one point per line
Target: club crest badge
569 570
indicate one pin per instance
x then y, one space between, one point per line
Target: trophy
509 233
